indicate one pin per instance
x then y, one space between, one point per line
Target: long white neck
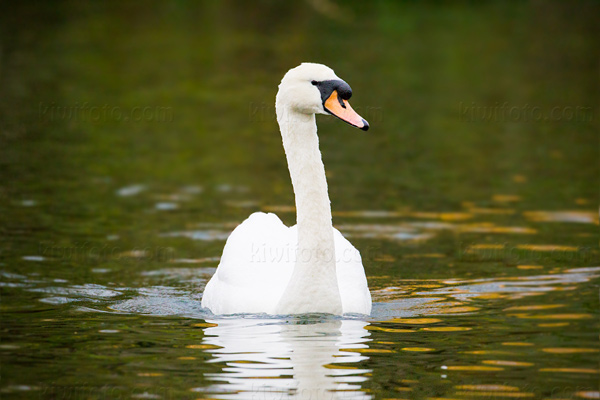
313 286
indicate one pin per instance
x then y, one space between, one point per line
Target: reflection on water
423 226
430 333
297 358
177 291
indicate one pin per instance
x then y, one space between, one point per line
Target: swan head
315 89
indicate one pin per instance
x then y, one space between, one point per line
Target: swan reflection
281 359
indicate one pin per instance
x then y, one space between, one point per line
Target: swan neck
313 286
313 208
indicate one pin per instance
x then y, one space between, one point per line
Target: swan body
269 268
266 250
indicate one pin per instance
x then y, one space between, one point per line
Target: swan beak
339 107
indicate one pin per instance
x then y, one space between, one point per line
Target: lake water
136 136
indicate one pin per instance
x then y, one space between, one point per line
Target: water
478 231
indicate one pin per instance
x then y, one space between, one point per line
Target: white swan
267 267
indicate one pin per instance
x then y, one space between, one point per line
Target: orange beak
341 109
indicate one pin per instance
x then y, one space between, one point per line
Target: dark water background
136 135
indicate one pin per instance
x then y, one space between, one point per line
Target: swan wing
255 267
352 281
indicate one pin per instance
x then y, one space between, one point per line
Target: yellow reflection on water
201 346
457 310
579 216
447 216
496 394
516 344
492 296
385 258
367 350
447 329
519 178
416 321
204 325
425 255
492 388
546 247
554 324
488 352
481 368
588 395
531 247
565 350
505 198
488 227
530 267
508 363
417 349
335 366
485 246
391 330
492 211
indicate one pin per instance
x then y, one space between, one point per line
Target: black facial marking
341 101
327 87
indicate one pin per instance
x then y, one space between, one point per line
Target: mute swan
269 268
